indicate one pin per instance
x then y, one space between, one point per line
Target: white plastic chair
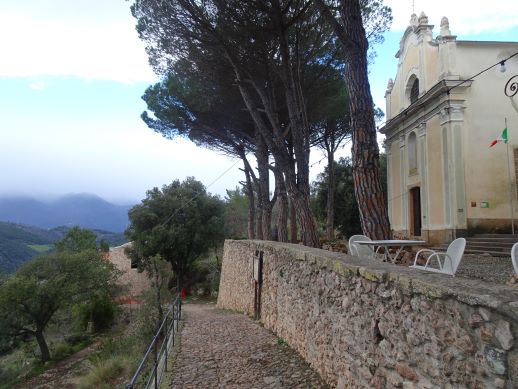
450 261
360 250
514 257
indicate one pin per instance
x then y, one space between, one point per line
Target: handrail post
179 314
166 341
173 323
167 324
156 364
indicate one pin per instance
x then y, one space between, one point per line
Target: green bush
78 339
102 311
7 344
117 357
61 351
71 345
9 373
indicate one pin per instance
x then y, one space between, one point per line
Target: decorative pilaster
423 171
390 86
390 192
403 182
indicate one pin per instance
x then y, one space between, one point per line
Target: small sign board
484 204
256 269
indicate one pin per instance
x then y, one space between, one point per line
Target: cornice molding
419 121
435 96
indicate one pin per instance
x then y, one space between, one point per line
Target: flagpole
510 180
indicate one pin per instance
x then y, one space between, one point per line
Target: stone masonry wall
131 278
365 324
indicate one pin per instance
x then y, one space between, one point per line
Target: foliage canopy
346 215
179 222
77 239
30 298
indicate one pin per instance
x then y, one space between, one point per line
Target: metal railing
154 363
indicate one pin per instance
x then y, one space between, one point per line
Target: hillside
19 243
85 210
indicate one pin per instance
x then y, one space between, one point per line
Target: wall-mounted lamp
502 67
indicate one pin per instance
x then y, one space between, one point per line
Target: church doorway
415 211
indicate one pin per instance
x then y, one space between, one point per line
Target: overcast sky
72 73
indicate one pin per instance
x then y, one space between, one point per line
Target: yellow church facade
444 180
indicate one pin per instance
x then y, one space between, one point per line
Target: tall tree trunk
264 183
293 223
300 133
297 180
282 200
45 353
365 152
283 158
251 179
249 190
259 222
330 222
267 221
304 216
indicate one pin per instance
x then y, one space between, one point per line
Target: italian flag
501 138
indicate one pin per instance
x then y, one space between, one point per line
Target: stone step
506 254
510 236
475 249
498 245
501 240
490 248
495 253
490 245
494 245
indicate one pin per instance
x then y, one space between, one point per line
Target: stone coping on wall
501 298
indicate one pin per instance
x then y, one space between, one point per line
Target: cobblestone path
221 349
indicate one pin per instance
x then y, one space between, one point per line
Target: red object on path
183 293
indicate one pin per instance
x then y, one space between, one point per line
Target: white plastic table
390 243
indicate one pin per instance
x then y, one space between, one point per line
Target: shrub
105 371
72 344
102 311
9 373
61 351
76 339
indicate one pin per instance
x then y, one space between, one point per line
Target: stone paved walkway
221 349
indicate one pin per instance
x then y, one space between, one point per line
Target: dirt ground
66 373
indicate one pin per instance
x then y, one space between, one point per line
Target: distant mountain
19 243
84 210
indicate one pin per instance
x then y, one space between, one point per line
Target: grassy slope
15 242
19 243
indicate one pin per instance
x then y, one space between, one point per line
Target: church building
448 102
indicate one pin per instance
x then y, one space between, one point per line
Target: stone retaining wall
364 324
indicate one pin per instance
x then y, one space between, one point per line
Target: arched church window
414 91
412 153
